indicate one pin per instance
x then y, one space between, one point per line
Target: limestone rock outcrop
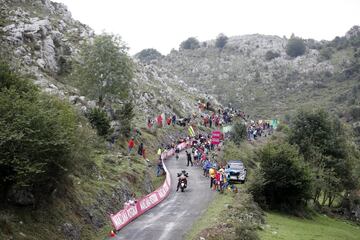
44 40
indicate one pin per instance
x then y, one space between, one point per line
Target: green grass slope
321 227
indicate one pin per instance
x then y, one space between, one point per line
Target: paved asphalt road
172 218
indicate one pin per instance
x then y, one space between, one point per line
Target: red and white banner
129 213
215 137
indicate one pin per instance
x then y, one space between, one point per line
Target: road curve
172 218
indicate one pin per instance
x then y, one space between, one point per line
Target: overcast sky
164 24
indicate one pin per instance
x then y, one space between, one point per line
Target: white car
236 171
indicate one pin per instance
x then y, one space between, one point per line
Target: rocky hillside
43 40
157 90
254 72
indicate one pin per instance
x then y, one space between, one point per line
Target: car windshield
236 165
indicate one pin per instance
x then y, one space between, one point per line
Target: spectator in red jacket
168 121
159 121
217 180
131 145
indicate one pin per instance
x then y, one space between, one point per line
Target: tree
146 55
287 180
310 130
221 41
238 133
37 134
104 68
295 47
99 120
325 145
190 43
125 115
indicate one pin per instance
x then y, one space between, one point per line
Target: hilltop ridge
240 73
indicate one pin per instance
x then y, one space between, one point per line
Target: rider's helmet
183 171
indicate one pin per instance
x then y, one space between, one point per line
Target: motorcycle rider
177 151
182 176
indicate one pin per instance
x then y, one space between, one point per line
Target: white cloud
163 24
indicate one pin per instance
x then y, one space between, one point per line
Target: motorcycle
183 184
182 180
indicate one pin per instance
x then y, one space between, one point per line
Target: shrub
326 53
270 55
5 223
37 134
245 231
244 152
256 188
146 55
287 180
355 41
355 113
295 47
221 41
99 120
349 73
190 43
238 133
283 128
313 44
